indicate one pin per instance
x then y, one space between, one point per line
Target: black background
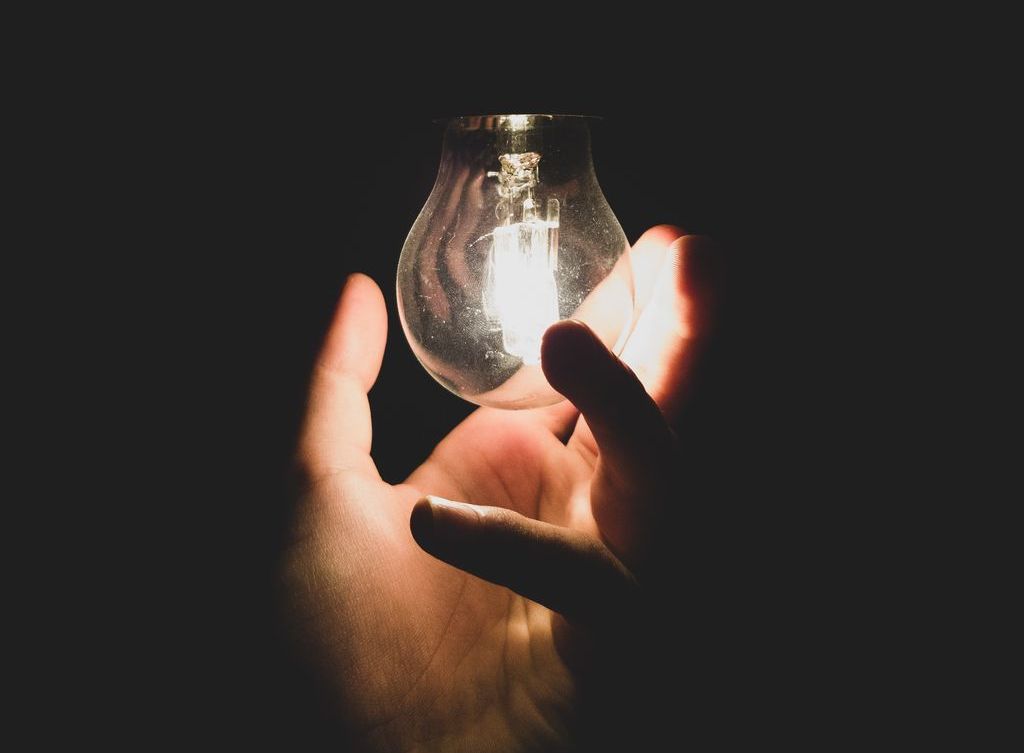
273 171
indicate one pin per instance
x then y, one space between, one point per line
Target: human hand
485 616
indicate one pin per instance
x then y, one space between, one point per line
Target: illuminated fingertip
661 235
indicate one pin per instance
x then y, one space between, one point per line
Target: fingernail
452 519
436 520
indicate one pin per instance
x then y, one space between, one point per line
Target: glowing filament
523 295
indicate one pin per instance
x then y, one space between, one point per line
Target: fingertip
349 279
698 264
358 334
660 235
647 257
361 286
566 347
442 527
565 333
421 522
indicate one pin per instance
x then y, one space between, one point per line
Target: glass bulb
515 236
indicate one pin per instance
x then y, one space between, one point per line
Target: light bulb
515 235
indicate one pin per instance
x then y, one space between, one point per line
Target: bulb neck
518 149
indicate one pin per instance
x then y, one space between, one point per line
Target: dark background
279 173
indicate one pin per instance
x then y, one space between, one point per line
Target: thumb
337 431
566 570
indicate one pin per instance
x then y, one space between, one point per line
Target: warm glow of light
518 122
522 296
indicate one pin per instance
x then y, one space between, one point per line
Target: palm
426 646
417 650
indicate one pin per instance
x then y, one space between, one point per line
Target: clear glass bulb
515 236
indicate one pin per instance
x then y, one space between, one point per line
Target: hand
478 605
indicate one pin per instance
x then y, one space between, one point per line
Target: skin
480 623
